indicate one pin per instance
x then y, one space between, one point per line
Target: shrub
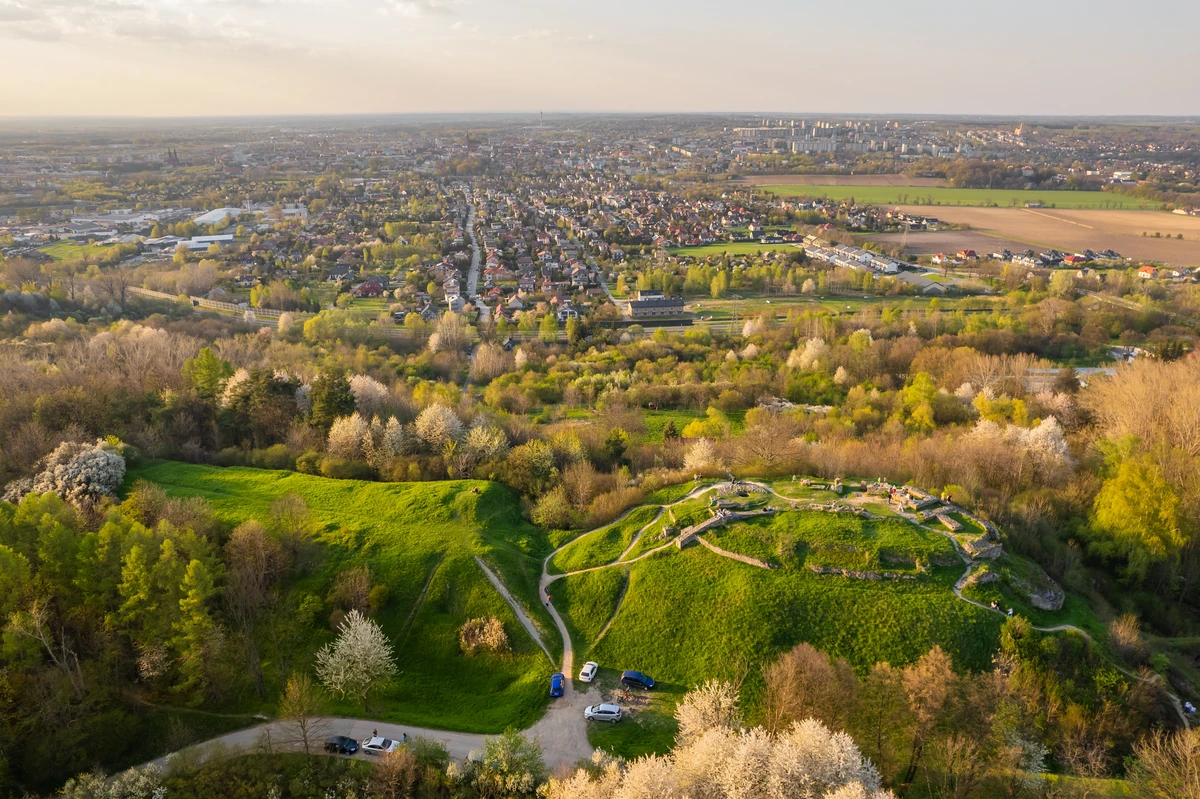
346 470
486 634
1125 632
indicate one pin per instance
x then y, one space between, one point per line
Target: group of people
403 736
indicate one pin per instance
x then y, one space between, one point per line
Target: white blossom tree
809 357
359 661
346 436
700 456
438 425
807 761
714 705
486 441
80 473
370 396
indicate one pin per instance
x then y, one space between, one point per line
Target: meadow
987 198
419 539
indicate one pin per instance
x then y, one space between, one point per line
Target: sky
265 57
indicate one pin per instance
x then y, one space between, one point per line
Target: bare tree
300 710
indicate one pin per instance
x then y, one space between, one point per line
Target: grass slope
601 546
411 535
688 614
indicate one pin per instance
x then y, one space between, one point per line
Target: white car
379 746
588 672
605 712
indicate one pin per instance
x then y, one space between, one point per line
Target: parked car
380 746
341 745
635 679
609 713
588 672
556 684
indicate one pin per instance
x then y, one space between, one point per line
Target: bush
346 470
309 463
485 634
378 598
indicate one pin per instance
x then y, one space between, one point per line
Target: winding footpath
562 731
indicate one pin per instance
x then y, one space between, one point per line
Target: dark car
635 679
556 684
341 745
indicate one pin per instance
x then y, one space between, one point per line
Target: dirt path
638 537
519 611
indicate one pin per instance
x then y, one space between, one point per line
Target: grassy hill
420 539
685 616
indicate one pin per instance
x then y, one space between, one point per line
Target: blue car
635 679
556 684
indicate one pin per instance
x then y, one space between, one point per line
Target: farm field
420 540
1071 230
949 241
842 180
929 197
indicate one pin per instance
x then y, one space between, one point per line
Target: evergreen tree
331 398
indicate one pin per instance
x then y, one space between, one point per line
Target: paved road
476 259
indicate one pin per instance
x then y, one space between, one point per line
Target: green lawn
1003 198
601 546
72 251
420 540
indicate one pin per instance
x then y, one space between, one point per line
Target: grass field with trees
419 540
1001 198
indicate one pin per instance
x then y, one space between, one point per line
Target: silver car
605 712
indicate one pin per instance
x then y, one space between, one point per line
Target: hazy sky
218 57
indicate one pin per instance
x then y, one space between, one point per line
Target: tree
553 511
359 661
81 473
207 373
548 328
1062 284
437 426
712 706
300 710
574 330
615 444
331 397
1168 765
511 767
255 564
1136 515
194 629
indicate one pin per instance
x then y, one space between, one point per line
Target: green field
1000 198
72 251
420 540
